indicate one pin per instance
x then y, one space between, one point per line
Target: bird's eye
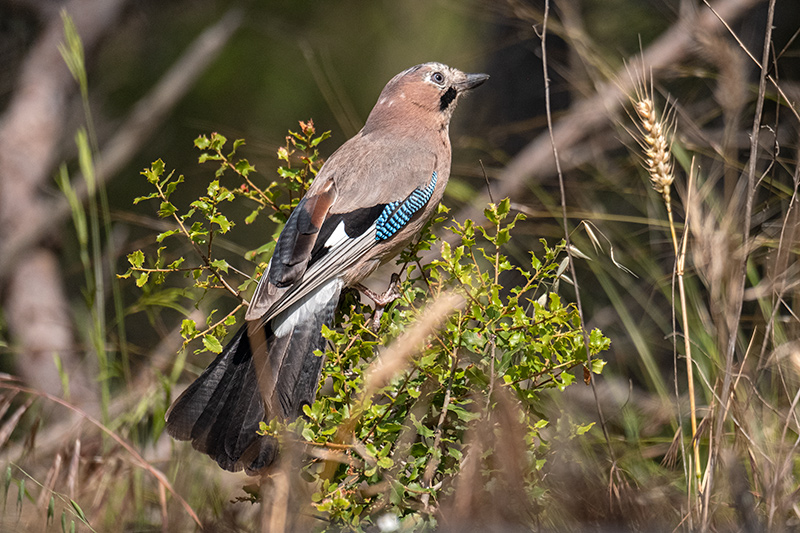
437 78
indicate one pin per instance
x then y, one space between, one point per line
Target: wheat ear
656 142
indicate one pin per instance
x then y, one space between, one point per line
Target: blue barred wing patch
397 214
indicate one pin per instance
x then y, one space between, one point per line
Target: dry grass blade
13 420
671 457
587 116
592 231
395 358
138 459
5 402
785 98
162 500
655 139
489 489
50 480
74 463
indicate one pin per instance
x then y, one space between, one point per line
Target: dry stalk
655 140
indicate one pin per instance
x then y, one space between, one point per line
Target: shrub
392 449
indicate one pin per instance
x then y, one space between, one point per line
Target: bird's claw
381 300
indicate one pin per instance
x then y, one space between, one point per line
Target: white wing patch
329 267
338 236
304 309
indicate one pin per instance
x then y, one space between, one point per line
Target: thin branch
566 228
748 216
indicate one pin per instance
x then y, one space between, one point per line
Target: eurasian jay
369 199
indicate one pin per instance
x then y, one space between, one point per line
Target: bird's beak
472 81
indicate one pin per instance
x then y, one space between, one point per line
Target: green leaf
252 216
51 510
78 511
212 344
162 236
288 172
491 214
503 208
597 365
156 170
244 167
316 141
136 259
223 222
220 264
202 142
503 237
218 142
142 279
264 248
188 328
208 157
172 185
166 209
146 197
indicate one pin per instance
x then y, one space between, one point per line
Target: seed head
656 145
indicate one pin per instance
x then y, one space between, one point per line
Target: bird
371 197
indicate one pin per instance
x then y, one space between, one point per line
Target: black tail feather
221 411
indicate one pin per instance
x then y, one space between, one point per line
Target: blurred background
159 74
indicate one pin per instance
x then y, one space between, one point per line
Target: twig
206 257
748 215
585 335
433 464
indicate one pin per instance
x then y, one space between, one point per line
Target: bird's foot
381 300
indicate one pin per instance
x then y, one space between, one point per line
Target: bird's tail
270 372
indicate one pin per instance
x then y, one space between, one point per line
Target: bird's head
424 94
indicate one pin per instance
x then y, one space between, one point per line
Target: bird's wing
348 211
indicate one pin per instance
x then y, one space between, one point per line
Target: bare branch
140 124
